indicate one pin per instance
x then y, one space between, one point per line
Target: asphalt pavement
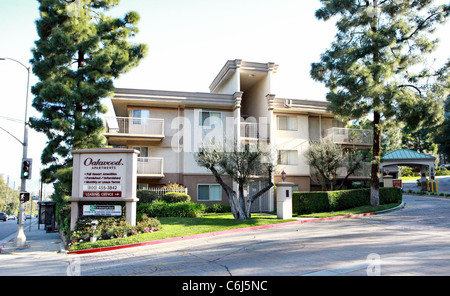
443 185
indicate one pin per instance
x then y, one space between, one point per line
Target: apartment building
169 127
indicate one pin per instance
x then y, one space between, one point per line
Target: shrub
174 197
164 209
147 196
218 208
346 199
310 202
174 187
111 227
442 172
390 195
316 202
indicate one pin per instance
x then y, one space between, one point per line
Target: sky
189 42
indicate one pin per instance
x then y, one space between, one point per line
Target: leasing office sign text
102 175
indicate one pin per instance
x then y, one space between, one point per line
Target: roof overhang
157 98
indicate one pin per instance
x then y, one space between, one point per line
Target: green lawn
177 227
352 211
409 178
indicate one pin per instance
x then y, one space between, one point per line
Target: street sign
24 197
397 183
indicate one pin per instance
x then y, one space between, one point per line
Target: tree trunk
236 209
375 187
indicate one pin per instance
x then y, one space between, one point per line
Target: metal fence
349 136
150 165
160 191
132 125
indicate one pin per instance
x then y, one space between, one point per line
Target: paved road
412 241
8 229
443 185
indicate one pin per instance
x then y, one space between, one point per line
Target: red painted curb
209 234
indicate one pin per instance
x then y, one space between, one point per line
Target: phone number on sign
102 187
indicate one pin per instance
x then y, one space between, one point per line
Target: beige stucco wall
192 138
294 140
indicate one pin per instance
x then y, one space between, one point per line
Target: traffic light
26 169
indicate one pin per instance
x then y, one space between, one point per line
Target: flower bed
110 228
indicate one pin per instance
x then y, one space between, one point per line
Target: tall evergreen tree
79 53
443 134
377 65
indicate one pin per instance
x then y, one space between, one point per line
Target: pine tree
79 53
377 65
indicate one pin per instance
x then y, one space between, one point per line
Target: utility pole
21 238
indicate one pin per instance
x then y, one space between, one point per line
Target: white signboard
103 175
102 210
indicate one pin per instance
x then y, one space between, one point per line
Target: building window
211 125
288 157
142 186
209 192
287 123
144 153
340 124
140 117
210 118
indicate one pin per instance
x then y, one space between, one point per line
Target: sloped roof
407 154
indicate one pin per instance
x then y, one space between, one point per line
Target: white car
12 217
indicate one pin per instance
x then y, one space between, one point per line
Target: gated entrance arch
406 157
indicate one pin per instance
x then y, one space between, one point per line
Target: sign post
104 175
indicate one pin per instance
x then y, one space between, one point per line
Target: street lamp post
21 238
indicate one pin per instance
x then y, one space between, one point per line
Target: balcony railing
150 166
255 131
349 136
135 126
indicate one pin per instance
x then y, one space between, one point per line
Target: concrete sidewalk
43 255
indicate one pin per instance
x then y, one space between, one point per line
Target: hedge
173 197
329 201
147 196
178 209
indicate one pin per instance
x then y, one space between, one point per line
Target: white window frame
288 158
291 123
209 192
201 118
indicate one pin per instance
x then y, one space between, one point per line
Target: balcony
362 173
254 131
150 167
349 136
123 128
